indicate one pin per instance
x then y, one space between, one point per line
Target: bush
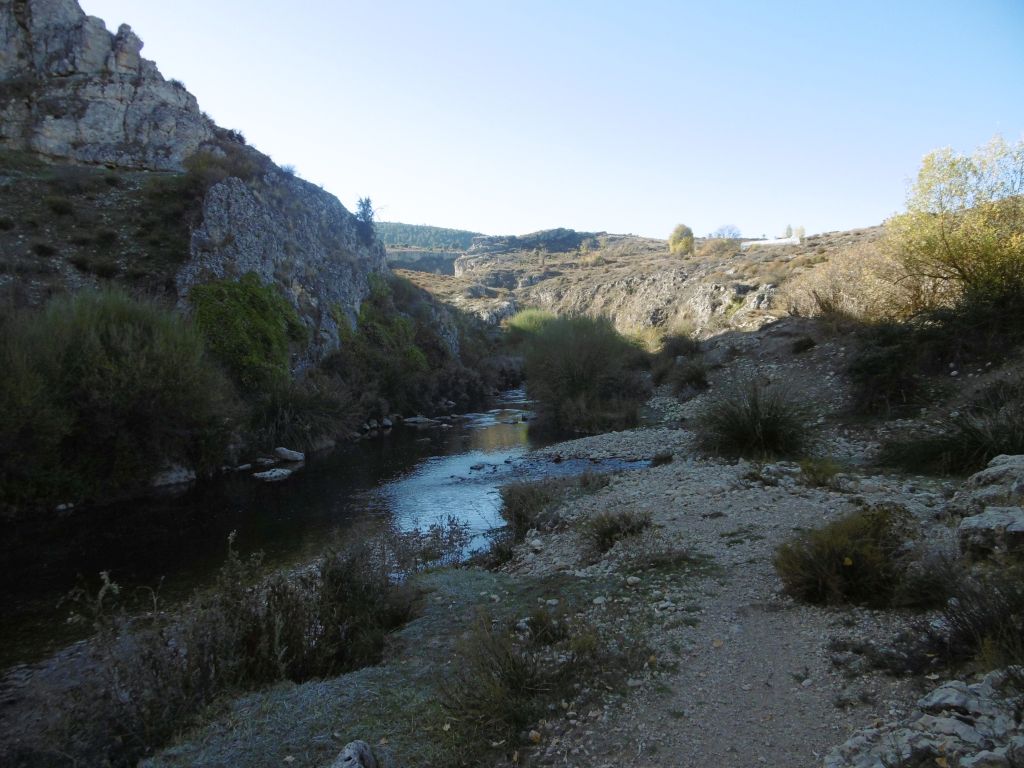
400 358
819 472
248 327
495 689
858 559
526 324
99 392
681 240
584 375
991 425
524 505
300 413
964 226
604 529
754 420
984 620
150 675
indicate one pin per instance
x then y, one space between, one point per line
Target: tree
789 230
727 232
681 240
963 232
364 220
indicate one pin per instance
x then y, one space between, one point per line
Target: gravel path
742 675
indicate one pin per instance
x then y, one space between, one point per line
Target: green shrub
300 413
604 529
59 205
858 559
991 425
400 358
40 248
754 420
891 361
99 392
248 327
526 323
661 458
584 375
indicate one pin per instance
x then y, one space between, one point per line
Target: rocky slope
634 280
72 93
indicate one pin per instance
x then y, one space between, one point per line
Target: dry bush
861 283
858 559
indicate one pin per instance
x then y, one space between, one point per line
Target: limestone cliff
71 89
73 93
291 232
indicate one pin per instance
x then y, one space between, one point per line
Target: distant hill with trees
395 234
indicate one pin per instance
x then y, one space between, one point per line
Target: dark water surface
176 544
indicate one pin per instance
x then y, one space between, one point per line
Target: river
174 545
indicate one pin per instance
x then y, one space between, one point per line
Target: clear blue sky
507 117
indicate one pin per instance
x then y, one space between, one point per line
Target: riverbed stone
273 475
287 454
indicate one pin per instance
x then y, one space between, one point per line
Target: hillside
635 280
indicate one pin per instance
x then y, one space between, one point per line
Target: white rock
273 475
286 454
175 474
356 754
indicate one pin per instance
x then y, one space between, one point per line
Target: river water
174 545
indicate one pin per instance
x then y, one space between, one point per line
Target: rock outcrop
71 89
957 724
291 232
992 501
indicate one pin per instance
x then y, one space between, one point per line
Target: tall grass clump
858 559
100 391
584 375
526 505
966 441
755 420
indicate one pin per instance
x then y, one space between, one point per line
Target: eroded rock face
71 89
291 232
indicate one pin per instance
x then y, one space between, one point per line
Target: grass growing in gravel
753 420
858 559
991 425
603 530
819 472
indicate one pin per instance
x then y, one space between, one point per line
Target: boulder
996 530
356 754
1001 483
